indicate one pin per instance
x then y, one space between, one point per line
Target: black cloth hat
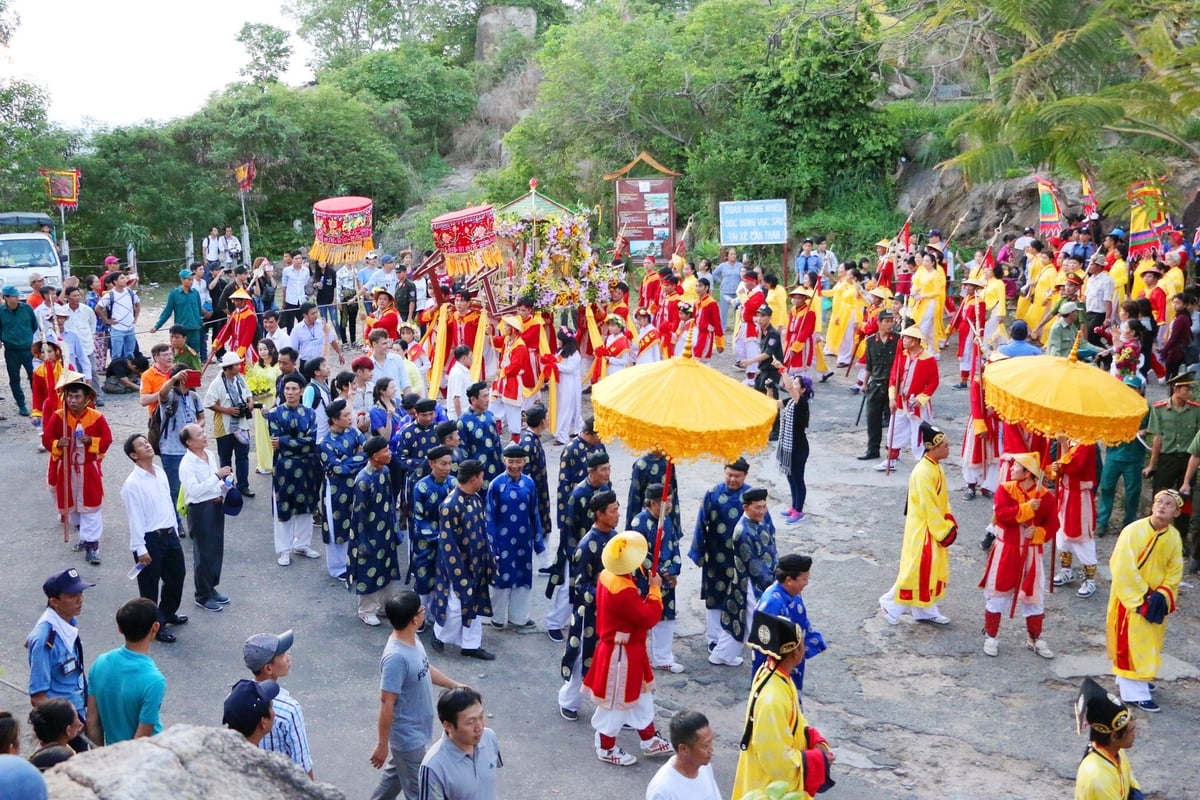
753 496
469 469
425 406
535 416
931 436
409 401
515 451
653 492
740 465
441 451
794 564
444 429
1100 709
597 459
602 500
774 636
885 314
374 445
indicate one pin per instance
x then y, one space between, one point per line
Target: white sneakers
657 746
940 619
616 756
1064 576
1039 647
1087 588
284 559
307 552
674 667
370 619
991 646
887 465
713 658
888 618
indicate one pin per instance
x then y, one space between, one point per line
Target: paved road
914 711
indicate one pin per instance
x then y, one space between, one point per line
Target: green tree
28 141
268 51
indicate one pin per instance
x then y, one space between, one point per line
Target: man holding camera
231 403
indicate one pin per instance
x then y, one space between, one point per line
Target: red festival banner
63 186
245 175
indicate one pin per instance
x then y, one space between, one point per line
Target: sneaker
1087 588
713 658
958 387
569 714
555 635
1039 647
991 646
888 618
794 518
208 605
674 667
499 625
887 465
616 756
657 746
219 598
78 546
370 619
940 619
284 559
1064 576
93 555
522 626
969 494
306 551
1148 706
855 390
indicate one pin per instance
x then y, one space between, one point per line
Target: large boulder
494 24
184 761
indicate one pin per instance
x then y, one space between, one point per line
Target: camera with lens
244 411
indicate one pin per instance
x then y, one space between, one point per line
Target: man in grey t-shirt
462 764
405 700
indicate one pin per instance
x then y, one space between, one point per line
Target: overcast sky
115 62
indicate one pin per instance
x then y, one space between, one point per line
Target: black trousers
233 453
876 409
16 359
206 521
166 567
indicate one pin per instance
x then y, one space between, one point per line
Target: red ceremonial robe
1013 512
1077 492
798 339
516 375
708 318
620 669
238 334
74 471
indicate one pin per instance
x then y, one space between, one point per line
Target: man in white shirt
385 363
213 248
82 323
458 382
232 246
384 277
153 538
310 335
120 309
688 774
1097 299
295 290
274 331
203 481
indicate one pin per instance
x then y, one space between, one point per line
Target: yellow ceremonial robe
1101 778
929 529
777 301
1033 271
781 743
1139 285
689 289
1042 290
1143 560
928 313
1172 283
1120 275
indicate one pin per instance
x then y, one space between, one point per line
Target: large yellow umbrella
1057 396
683 409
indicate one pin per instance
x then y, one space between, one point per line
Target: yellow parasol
684 410
1057 396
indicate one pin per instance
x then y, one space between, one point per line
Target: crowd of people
423 465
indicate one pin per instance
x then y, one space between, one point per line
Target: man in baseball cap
55 651
249 709
266 655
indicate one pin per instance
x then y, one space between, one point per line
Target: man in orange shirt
162 358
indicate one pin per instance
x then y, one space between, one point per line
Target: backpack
154 431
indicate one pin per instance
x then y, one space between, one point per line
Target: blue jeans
724 301
122 343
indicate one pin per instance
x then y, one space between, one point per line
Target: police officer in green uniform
1174 423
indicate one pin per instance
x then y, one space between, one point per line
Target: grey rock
494 24
899 91
184 761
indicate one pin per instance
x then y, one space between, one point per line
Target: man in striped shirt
266 655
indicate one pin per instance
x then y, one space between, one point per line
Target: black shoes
209 604
555 635
247 493
480 653
163 636
218 598
869 456
176 619
438 645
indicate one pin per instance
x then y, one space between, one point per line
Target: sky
118 62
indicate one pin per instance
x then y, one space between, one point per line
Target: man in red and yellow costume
1147 567
460 323
708 319
1076 470
778 744
78 436
620 680
929 529
913 381
798 344
517 376
238 332
385 316
885 265
972 318
648 296
1024 518
667 318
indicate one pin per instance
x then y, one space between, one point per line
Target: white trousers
336 558
729 648
1000 604
988 476
509 414
510 604
609 721
294 533
906 429
91 524
570 694
559 616
468 637
1133 691
662 640
712 625
1081 548
372 603
889 604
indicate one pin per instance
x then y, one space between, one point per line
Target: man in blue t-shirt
405 699
125 687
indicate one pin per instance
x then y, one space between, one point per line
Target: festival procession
456 453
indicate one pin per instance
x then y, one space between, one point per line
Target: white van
24 254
